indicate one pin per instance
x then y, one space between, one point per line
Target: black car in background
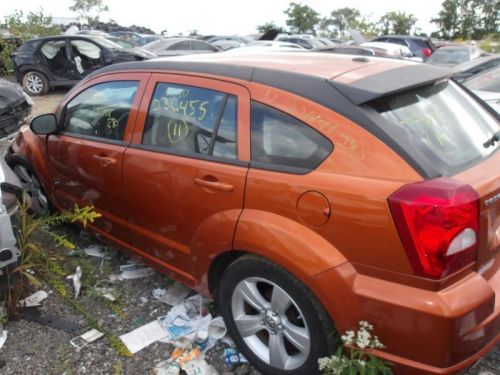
15 106
420 47
44 63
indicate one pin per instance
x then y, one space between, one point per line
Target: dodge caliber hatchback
305 191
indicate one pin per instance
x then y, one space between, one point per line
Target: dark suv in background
421 47
41 64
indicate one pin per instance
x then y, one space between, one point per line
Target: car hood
10 94
131 54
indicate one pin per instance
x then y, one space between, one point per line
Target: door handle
214 185
105 160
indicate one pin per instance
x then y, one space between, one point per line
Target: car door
85 56
85 156
184 173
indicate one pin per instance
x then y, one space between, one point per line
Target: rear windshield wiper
494 138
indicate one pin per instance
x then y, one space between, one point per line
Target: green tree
89 9
301 18
344 19
448 19
398 23
488 14
268 26
23 27
467 19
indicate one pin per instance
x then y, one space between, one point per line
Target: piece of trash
173 296
133 273
143 336
199 366
176 326
197 305
201 339
106 293
33 314
217 328
109 297
77 281
233 357
83 340
35 299
94 251
3 338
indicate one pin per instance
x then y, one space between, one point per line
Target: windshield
487 81
107 43
449 56
442 122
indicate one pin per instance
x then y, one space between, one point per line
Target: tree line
464 19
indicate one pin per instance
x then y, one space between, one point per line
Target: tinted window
185 119
445 124
200 46
181 46
281 140
487 81
101 110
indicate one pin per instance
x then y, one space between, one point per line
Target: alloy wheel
271 323
34 84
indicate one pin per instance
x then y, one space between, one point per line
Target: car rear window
445 124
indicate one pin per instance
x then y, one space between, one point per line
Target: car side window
280 140
192 121
101 110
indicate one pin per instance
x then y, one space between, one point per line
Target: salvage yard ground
34 348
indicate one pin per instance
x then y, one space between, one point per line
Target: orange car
305 191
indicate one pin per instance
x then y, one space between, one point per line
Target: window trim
95 138
286 168
216 159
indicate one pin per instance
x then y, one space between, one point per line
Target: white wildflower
361 362
363 338
348 338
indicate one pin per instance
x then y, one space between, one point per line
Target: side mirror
44 124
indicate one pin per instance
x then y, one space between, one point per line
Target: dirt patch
48 103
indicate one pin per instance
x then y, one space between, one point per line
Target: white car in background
267 46
396 50
486 85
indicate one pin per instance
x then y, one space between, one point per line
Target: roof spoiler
390 82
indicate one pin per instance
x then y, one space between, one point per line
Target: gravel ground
34 348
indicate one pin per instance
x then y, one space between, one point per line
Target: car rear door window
192 121
101 110
281 142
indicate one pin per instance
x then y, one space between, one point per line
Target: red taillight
438 223
427 52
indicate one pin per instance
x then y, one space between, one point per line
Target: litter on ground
77 281
35 299
83 340
173 296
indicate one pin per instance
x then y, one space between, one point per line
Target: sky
222 16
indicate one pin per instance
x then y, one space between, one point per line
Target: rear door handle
214 185
105 160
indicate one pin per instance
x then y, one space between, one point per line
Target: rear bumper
425 332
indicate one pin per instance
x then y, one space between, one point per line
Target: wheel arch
276 238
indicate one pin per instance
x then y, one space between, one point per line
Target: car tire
35 83
275 321
40 204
